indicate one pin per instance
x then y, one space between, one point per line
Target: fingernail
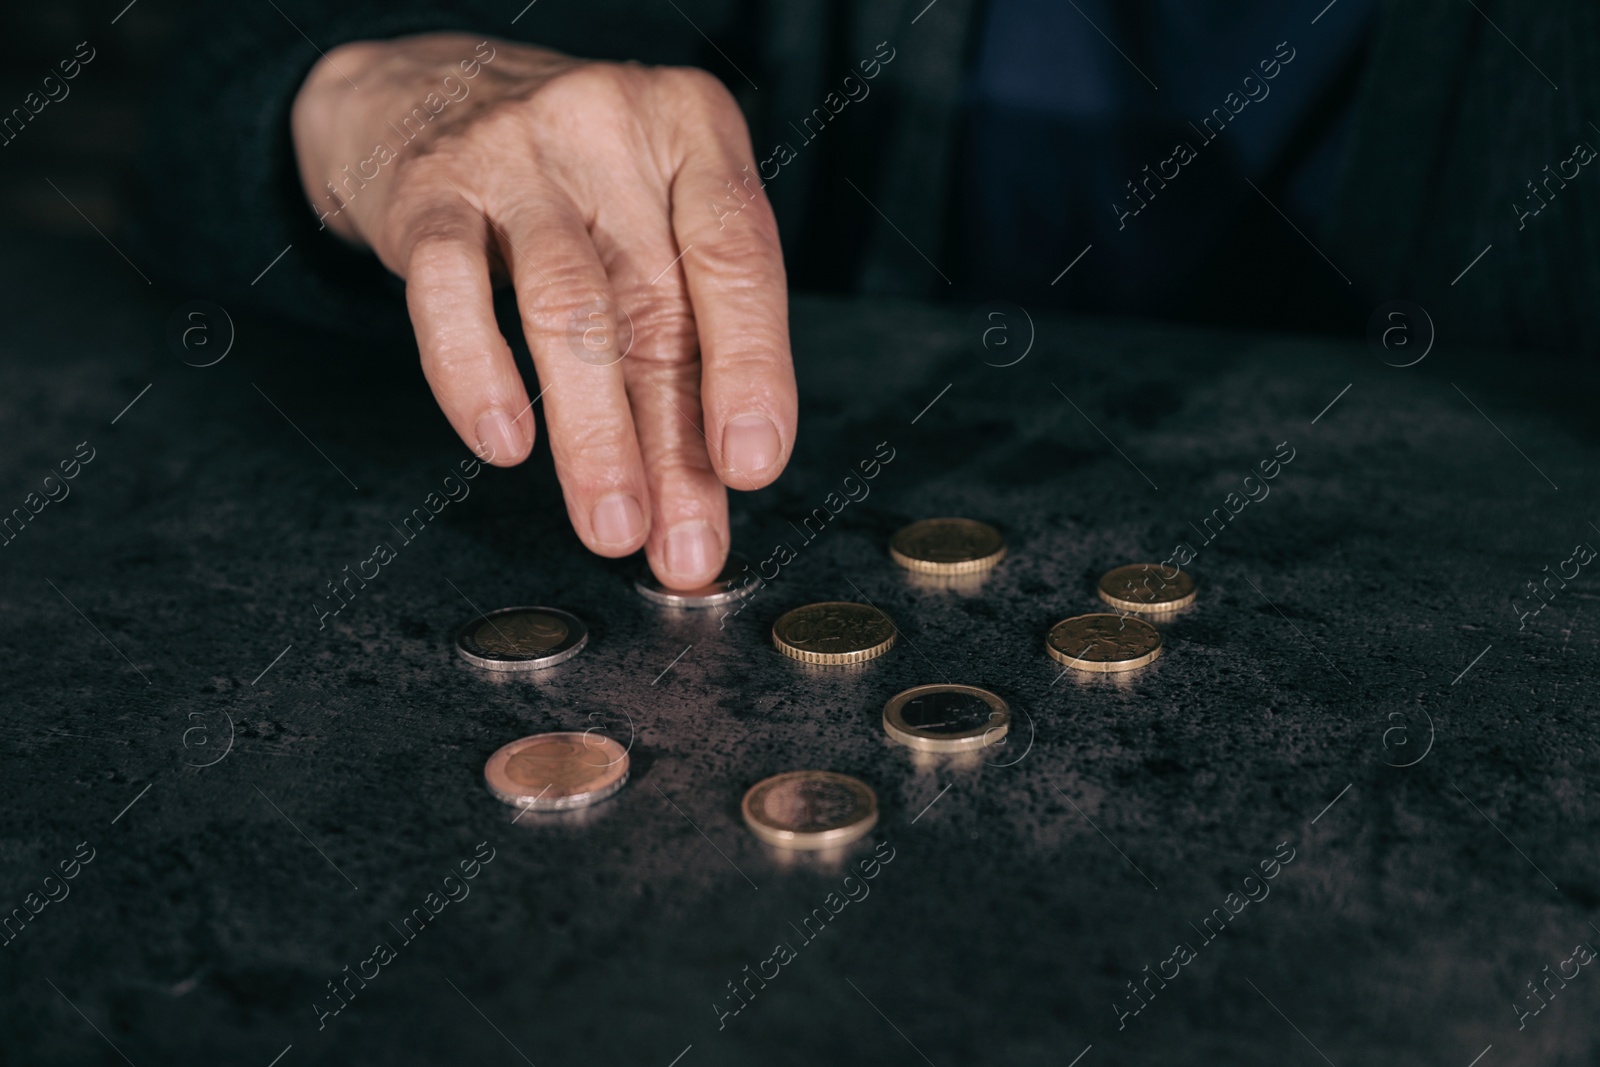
692 549
750 443
498 439
617 519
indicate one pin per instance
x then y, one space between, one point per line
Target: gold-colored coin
1146 587
946 718
834 632
810 809
1103 643
947 546
557 771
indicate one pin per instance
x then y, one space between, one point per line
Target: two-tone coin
808 810
557 771
522 639
947 546
1147 588
834 632
1103 643
946 718
735 582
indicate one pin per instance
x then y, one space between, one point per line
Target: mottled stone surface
1345 604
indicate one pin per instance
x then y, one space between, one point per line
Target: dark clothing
1069 140
1441 120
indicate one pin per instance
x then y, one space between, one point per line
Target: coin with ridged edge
834 632
1103 643
946 718
947 546
1145 587
522 639
809 810
735 582
557 771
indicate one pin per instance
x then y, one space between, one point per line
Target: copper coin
557 771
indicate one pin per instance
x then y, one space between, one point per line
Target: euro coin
522 639
946 718
1145 587
1103 643
833 633
735 582
557 771
947 546
809 810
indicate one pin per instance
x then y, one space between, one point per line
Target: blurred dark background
92 157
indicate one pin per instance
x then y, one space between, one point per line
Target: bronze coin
947 546
834 632
1103 642
1146 587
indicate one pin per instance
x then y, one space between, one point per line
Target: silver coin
736 582
522 639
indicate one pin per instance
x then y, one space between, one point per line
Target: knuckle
590 452
754 262
566 297
681 466
665 325
747 360
439 252
697 87
587 94
449 362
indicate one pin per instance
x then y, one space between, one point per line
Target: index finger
733 268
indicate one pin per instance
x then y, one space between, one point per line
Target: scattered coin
736 581
557 771
946 718
810 809
1103 643
1145 587
948 546
834 632
522 639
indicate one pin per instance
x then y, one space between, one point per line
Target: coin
557 771
1103 642
1143 587
946 718
735 582
521 639
810 809
834 632
948 546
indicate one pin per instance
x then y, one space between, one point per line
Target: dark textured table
249 805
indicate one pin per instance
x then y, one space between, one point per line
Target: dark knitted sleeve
221 197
